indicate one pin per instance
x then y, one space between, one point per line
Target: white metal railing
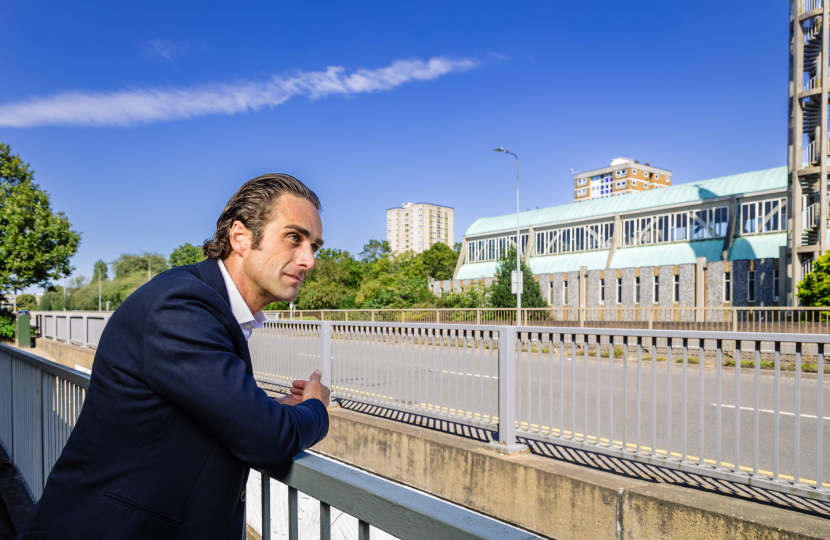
612 391
82 328
811 5
812 215
814 82
811 153
40 402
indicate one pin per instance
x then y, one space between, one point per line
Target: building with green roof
710 243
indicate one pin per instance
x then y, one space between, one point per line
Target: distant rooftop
738 184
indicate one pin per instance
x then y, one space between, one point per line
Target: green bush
6 324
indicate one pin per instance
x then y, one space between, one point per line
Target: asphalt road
560 399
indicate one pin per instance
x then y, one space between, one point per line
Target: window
621 172
581 181
565 293
750 286
634 183
621 184
656 289
683 226
656 176
636 290
763 216
775 285
619 290
633 171
645 173
571 239
646 184
602 291
676 296
668 180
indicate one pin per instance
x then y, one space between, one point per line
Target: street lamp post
519 277
99 289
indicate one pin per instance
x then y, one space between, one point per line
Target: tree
335 278
128 264
99 268
27 301
814 290
186 254
500 292
440 260
374 251
35 243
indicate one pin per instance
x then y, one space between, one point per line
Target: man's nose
305 258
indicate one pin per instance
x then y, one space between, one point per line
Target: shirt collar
240 309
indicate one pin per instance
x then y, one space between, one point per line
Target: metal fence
805 320
745 407
82 328
40 402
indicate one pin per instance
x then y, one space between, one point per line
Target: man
173 418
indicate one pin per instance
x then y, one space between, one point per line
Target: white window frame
668 179
602 291
633 171
656 176
676 289
621 172
619 290
656 290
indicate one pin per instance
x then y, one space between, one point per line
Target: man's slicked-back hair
253 205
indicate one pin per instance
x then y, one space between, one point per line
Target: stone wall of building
628 288
764 278
687 285
739 283
647 286
556 285
592 298
714 284
666 299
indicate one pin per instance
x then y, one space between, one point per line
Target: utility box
23 332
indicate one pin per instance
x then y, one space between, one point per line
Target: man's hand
310 389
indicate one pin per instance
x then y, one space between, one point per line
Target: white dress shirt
247 321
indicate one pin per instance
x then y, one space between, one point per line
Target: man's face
287 248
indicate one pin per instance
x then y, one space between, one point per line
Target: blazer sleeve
189 359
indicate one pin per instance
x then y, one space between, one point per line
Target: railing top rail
679 334
398 510
72 313
433 326
53 368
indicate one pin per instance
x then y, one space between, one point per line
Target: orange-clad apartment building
622 176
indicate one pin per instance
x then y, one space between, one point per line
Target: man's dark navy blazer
171 423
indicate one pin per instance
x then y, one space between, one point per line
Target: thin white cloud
149 105
163 50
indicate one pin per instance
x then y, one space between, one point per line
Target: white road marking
771 411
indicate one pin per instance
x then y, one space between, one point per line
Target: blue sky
141 121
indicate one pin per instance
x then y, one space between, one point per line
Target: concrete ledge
62 353
551 498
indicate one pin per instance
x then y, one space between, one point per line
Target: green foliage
440 260
186 254
374 251
814 290
473 296
500 293
6 324
26 301
332 281
128 264
35 243
100 268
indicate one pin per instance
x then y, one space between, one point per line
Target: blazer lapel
212 276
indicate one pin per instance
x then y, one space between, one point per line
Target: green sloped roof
683 193
761 246
665 254
569 262
477 270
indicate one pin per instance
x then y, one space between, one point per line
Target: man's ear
240 238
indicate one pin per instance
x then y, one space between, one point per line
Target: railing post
478 316
266 506
325 352
507 394
734 313
85 322
651 318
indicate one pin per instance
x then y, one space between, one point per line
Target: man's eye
294 237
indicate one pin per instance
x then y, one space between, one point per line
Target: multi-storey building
713 243
417 226
622 176
808 136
